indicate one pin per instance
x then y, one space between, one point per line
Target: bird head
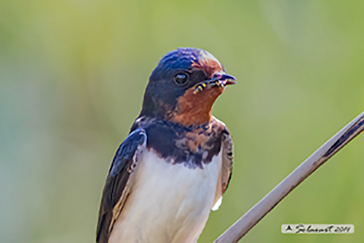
184 86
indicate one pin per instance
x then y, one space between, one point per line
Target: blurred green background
73 73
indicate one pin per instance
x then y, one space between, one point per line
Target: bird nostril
222 76
225 76
216 76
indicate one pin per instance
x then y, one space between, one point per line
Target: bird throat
195 109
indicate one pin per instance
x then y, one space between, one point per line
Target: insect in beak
220 80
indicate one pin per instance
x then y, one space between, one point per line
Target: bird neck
195 109
188 109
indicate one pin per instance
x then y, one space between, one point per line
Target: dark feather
116 189
227 159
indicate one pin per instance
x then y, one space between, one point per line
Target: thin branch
266 204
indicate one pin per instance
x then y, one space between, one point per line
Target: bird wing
226 169
119 181
227 161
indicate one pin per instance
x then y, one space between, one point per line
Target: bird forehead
207 56
187 58
208 65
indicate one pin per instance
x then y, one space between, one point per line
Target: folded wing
119 181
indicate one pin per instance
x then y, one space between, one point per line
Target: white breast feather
168 202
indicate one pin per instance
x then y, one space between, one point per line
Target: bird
176 162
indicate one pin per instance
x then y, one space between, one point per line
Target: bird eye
181 78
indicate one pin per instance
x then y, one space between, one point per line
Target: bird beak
219 79
227 79
222 79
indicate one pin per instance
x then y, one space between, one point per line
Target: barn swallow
176 162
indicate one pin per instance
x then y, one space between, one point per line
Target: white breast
168 202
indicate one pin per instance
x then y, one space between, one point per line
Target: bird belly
168 202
